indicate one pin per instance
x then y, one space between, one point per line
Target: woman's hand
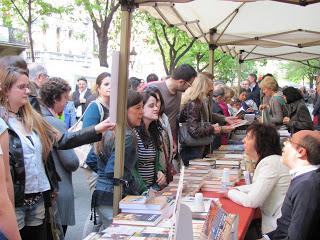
232 120
161 178
263 106
217 128
286 120
227 129
105 125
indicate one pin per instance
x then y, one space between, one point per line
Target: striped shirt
146 160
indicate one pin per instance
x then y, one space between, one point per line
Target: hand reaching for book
161 178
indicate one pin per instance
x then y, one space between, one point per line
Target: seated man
301 207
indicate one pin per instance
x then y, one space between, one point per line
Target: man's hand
105 125
82 100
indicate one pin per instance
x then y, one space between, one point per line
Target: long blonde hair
198 89
30 118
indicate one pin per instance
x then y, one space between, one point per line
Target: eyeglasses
289 140
189 84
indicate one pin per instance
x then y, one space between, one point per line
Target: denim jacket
105 182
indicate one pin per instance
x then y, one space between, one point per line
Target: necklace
14 115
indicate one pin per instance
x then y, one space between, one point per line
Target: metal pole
122 103
240 61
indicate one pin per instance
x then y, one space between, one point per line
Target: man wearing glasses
38 75
171 90
301 207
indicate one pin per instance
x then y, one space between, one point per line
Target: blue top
70 114
92 115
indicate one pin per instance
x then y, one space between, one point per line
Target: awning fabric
249 30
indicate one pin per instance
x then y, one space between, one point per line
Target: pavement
82 205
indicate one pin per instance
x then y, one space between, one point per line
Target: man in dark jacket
301 207
80 96
254 90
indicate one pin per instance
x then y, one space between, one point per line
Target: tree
101 13
297 72
172 42
29 11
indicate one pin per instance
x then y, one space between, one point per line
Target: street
82 205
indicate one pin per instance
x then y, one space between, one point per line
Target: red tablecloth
245 214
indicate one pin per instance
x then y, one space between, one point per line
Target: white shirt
36 179
295 172
270 184
79 108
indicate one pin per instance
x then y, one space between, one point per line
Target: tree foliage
299 72
173 44
29 11
102 14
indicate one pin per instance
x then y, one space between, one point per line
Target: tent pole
240 61
212 48
126 11
211 59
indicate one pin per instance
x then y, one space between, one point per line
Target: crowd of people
38 156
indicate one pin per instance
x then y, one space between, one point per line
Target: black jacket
255 94
76 99
300 118
67 141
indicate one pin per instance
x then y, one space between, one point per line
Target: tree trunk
103 50
29 26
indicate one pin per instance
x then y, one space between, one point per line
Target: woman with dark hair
102 198
96 112
271 178
166 153
54 96
149 142
297 116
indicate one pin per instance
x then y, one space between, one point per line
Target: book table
246 215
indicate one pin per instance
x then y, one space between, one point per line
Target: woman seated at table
271 178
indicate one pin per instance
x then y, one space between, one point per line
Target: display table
246 215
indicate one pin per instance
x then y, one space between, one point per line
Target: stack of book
214 184
141 211
202 162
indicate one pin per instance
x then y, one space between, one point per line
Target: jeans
105 215
31 216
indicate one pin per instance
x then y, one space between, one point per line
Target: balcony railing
55 56
13 35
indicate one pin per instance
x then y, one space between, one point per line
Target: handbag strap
100 108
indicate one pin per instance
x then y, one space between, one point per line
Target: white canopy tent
247 30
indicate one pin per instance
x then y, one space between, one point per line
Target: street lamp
132 57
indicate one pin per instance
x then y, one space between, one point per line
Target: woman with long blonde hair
198 117
31 140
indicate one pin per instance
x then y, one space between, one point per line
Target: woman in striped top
149 144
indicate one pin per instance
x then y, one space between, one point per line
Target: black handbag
186 139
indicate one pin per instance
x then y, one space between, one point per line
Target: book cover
232 147
152 233
139 219
115 231
164 211
140 202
